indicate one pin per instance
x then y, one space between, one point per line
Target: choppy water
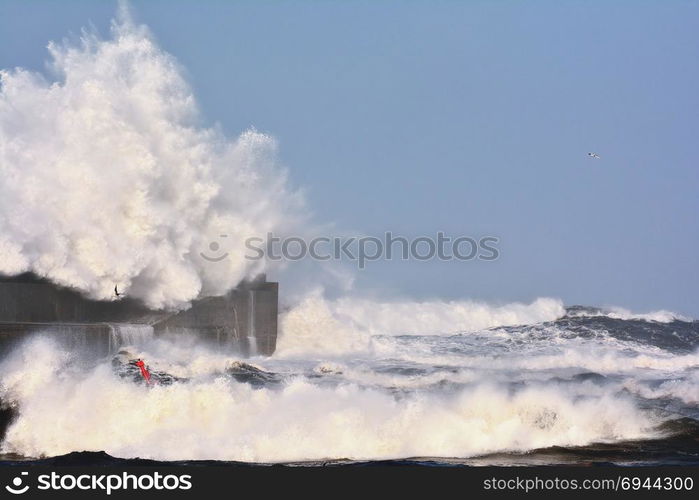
583 386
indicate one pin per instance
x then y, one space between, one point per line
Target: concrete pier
243 321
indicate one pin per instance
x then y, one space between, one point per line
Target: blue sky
467 117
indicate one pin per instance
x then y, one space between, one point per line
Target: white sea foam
439 317
660 316
333 327
217 418
685 389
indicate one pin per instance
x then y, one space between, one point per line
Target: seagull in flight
116 291
593 155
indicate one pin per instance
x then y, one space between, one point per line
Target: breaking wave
65 408
73 211
317 324
660 316
348 392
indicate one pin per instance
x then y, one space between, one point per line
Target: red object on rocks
144 370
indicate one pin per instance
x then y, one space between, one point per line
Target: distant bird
593 155
116 291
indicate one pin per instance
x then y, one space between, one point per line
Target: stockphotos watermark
363 249
107 483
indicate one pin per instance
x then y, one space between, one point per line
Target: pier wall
244 320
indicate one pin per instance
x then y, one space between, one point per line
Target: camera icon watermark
16 488
214 253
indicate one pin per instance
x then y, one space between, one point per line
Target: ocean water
355 381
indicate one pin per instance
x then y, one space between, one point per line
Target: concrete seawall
243 321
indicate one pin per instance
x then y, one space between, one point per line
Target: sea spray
108 177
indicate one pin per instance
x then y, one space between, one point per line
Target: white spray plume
106 176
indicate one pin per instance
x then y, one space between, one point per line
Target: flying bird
116 291
593 155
